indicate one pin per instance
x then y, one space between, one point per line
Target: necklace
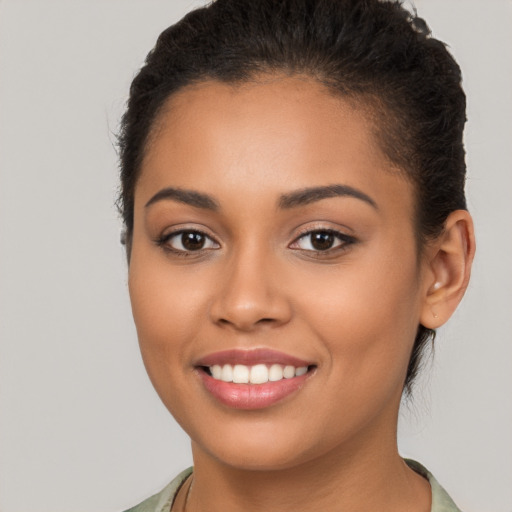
181 500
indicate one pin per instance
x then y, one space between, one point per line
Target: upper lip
251 357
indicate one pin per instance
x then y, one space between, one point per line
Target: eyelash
344 241
164 242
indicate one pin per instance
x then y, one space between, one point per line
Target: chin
266 458
260 446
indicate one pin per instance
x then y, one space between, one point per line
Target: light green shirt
162 501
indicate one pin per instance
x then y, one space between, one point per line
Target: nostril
244 313
261 321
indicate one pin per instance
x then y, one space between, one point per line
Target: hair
371 51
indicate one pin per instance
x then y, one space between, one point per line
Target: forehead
269 134
291 107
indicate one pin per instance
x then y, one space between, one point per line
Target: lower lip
252 396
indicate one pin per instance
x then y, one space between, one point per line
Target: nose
251 294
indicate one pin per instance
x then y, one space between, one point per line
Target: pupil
322 240
192 241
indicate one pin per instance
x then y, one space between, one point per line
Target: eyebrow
190 197
292 200
310 195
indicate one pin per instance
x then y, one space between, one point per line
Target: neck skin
367 475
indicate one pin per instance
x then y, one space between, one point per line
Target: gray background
80 427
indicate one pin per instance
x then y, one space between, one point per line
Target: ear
448 267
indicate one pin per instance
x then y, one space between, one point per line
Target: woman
293 194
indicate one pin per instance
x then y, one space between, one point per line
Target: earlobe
449 268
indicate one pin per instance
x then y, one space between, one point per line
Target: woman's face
272 238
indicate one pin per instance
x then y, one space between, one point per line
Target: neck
365 477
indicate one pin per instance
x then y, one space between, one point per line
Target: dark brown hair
372 51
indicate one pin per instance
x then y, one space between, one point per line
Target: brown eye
192 241
188 241
322 240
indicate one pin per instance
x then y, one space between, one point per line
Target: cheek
367 316
166 308
166 311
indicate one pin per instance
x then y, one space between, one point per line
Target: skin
353 310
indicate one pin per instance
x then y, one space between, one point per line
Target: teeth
240 374
289 372
216 370
301 371
257 374
275 373
227 373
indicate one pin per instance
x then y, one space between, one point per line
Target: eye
322 240
186 241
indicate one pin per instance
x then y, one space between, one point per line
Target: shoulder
441 501
162 501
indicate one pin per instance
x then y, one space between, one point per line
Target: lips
252 379
251 357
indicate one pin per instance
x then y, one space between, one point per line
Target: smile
257 374
253 379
